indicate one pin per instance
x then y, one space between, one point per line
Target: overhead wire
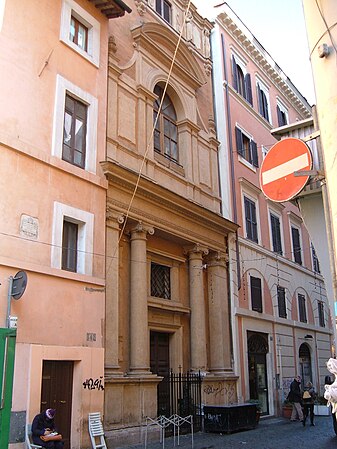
126 216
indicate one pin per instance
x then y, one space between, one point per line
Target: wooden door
160 364
56 392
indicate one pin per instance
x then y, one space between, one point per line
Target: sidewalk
271 433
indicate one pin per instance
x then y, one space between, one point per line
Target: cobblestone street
271 433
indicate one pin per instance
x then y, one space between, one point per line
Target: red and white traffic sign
277 179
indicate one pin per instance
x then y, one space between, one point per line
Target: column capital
140 229
217 258
114 219
196 249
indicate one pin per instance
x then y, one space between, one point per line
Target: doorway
160 365
56 392
305 364
257 366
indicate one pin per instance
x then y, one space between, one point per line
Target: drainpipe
230 144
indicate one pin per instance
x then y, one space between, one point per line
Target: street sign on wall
277 176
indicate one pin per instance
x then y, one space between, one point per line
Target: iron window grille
160 281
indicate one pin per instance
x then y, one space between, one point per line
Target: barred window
160 281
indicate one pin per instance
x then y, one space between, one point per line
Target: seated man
44 432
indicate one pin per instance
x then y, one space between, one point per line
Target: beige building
53 86
167 298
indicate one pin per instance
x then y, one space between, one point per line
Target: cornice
169 200
266 64
160 42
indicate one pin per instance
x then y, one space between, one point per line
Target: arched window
166 132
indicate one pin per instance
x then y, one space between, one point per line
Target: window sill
247 163
174 166
167 304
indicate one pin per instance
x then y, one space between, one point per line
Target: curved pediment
161 43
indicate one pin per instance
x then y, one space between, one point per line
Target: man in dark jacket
42 426
295 396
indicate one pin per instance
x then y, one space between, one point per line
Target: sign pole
9 297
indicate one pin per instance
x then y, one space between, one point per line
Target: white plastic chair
28 435
96 431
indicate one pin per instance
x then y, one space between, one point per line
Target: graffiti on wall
92 384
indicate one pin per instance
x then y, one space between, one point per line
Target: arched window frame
165 139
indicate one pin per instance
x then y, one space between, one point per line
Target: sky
279 26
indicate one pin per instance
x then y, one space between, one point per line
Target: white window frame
85 241
264 151
71 8
260 85
63 87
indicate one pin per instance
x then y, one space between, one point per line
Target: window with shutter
242 81
281 116
256 294
281 300
263 102
321 314
302 308
295 233
69 246
250 220
315 260
276 233
246 147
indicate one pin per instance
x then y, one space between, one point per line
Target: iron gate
183 397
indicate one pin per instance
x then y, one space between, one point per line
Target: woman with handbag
44 431
309 396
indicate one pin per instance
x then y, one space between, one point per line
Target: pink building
53 86
282 323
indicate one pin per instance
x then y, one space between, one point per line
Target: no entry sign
277 179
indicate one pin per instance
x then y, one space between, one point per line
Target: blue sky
279 26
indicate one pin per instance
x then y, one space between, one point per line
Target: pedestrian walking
309 396
295 396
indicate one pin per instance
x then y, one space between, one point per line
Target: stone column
113 223
219 319
139 333
197 303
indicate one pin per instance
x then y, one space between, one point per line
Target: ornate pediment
159 43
